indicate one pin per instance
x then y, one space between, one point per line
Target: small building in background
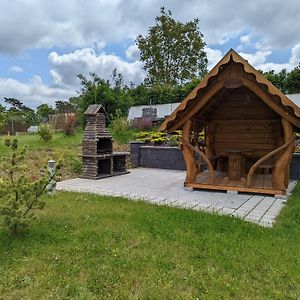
59 121
146 116
33 129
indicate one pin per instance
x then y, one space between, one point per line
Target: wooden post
188 154
280 176
236 166
210 137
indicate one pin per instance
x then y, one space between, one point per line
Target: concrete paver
165 187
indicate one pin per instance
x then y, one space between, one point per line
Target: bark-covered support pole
280 174
210 138
188 154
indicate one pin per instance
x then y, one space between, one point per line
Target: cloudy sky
45 44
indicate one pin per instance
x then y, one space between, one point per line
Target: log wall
244 121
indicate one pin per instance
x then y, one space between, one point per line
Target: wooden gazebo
248 127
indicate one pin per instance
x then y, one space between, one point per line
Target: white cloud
99 45
60 23
16 69
133 53
295 58
245 39
64 71
274 66
65 68
259 58
81 24
226 37
213 57
34 92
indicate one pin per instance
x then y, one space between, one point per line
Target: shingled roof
94 109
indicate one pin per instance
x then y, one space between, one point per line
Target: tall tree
161 94
43 111
287 82
2 115
113 96
15 104
18 112
64 107
278 79
293 81
172 52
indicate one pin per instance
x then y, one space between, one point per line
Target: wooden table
236 163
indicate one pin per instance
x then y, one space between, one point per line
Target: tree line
15 112
287 82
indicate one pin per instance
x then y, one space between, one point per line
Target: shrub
19 193
76 166
174 140
159 138
119 123
119 129
152 137
45 132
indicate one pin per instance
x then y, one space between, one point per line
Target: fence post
52 184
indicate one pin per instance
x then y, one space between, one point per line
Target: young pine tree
19 195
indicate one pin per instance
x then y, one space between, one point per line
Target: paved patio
165 187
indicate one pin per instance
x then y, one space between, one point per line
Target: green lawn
60 141
34 142
90 247
61 148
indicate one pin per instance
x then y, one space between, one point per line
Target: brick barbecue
98 158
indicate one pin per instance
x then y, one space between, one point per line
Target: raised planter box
172 158
156 156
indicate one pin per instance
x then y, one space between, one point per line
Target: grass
91 247
61 147
124 137
34 142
